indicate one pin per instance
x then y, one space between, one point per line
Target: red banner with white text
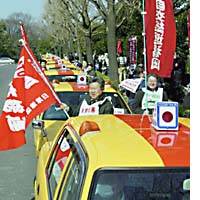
160 36
29 94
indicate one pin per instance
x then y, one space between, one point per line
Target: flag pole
38 69
144 52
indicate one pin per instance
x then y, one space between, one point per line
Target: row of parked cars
106 157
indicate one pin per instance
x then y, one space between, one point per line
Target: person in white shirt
95 102
145 99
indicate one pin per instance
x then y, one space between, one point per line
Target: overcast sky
32 7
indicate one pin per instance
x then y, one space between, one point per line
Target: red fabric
23 34
62 154
160 63
28 96
65 72
119 47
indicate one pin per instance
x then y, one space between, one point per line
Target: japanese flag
29 94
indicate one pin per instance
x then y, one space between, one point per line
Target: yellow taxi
115 157
62 74
68 64
55 65
50 62
72 94
55 62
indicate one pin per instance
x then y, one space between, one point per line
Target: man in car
95 102
145 99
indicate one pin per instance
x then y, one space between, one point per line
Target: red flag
23 33
26 40
160 36
119 47
29 95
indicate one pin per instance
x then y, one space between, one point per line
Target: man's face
95 90
152 82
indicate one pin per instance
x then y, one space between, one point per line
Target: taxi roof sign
165 116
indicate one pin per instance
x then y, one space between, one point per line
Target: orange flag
29 94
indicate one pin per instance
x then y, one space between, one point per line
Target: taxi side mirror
38 124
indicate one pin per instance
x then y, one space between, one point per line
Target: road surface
17 167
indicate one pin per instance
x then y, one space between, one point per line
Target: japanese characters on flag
29 95
132 45
160 36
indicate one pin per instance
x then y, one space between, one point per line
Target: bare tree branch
102 10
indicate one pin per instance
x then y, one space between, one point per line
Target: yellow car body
63 75
72 94
122 150
52 64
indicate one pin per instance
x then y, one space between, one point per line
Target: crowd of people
144 98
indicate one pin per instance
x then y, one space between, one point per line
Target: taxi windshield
142 184
117 102
73 99
63 78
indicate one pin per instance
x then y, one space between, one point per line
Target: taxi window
72 99
57 161
63 78
153 184
54 113
72 186
118 103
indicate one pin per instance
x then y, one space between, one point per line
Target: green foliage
99 44
99 39
6 48
132 26
45 38
40 41
103 76
182 49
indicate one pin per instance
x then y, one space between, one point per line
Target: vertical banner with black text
132 51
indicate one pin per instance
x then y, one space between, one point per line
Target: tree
6 48
85 22
110 12
36 32
107 11
55 21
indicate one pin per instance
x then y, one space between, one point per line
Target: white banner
131 84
